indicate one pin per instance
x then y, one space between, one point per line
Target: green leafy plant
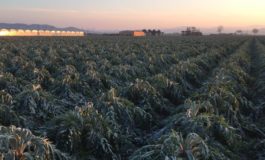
173 146
18 143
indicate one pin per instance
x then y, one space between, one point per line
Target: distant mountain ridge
37 27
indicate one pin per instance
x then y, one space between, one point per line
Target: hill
36 26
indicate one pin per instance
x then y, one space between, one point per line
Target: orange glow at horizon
127 14
170 14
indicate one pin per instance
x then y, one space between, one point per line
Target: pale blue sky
121 14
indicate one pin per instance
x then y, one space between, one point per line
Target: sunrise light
4 33
20 32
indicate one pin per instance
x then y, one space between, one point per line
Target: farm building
20 32
191 31
132 33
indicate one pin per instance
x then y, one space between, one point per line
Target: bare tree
220 29
255 30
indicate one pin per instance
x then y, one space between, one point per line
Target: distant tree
153 32
144 30
255 30
220 29
159 32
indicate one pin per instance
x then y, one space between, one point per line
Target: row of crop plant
208 125
258 73
113 120
43 80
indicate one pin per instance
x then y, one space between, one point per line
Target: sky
134 14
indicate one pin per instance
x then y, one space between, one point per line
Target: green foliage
8 116
168 88
143 94
83 129
18 143
173 146
142 98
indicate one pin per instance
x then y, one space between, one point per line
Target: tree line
221 28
